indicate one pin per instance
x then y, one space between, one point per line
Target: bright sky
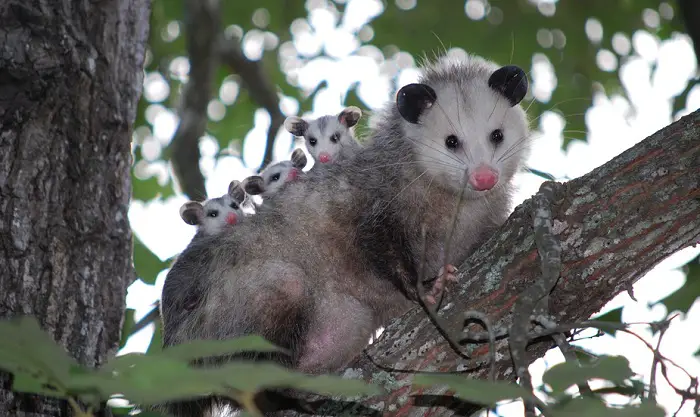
612 129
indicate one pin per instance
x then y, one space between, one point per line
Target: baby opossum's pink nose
324 157
483 178
293 174
231 218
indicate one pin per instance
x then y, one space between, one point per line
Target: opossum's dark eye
275 177
234 206
497 136
335 137
452 142
312 141
212 213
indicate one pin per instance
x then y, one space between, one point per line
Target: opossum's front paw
445 275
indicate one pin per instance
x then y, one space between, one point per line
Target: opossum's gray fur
336 254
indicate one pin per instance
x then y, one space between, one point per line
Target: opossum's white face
220 213
327 136
466 125
275 176
215 215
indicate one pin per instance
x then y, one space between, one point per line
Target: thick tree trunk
70 78
614 225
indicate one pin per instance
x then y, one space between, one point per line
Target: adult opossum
336 254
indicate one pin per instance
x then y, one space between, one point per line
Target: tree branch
202 27
259 87
613 224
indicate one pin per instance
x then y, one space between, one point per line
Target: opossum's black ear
296 125
298 158
236 191
254 185
192 213
413 99
350 116
511 82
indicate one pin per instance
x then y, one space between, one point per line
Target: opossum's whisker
436 162
511 147
514 153
406 187
517 147
440 151
459 121
454 129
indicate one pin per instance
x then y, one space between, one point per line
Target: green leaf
147 264
474 390
612 316
29 352
683 298
563 375
30 384
207 348
147 189
156 344
590 407
255 376
584 357
127 327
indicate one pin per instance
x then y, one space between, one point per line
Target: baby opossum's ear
254 185
298 158
192 213
413 99
511 82
296 125
236 191
350 116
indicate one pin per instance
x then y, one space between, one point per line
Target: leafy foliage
612 316
474 390
563 375
590 407
41 366
614 369
684 297
147 265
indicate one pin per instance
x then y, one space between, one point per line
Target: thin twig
654 364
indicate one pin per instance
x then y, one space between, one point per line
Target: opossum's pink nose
324 157
483 178
231 218
293 174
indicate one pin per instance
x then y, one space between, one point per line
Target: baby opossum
328 137
274 177
338 253
217 213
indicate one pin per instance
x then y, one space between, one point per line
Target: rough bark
70 78
614 224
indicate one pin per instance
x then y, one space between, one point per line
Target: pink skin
231 219
324 157
483 178
445 275
293 174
